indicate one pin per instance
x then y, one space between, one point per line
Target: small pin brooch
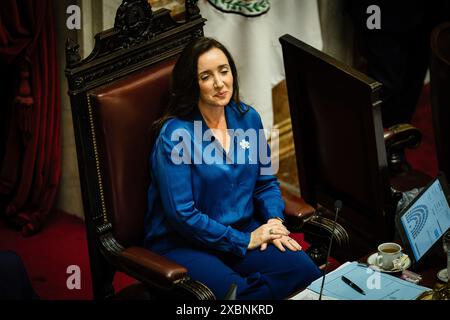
244 144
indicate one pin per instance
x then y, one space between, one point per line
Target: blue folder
376 285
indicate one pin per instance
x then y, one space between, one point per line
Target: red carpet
48 254
424 157
62 242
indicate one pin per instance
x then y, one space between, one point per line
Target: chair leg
102 274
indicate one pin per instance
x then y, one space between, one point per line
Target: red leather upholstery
127 110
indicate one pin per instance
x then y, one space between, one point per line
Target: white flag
250 30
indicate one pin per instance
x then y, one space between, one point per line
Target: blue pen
352 285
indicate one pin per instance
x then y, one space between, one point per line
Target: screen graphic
426 220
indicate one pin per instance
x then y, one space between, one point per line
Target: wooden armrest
151 268
402 136
296 211
297 208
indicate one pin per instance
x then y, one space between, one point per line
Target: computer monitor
423 222
339 142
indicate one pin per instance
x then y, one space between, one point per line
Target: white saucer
373 259
443 275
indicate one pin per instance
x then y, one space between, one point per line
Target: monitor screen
426 219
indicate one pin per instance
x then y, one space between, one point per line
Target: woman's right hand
266 233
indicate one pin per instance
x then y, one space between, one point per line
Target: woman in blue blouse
215 206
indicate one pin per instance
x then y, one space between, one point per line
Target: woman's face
215 79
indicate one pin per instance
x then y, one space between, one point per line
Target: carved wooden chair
440 93
342 149
116 93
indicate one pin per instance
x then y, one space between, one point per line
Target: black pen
352 285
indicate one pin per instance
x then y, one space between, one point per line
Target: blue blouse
204 195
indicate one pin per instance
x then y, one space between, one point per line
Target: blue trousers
269 274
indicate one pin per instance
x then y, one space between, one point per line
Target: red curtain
30 165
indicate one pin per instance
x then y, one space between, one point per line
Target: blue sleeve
174 185
267 194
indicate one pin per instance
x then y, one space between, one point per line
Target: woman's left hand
284 241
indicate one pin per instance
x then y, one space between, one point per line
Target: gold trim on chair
97 162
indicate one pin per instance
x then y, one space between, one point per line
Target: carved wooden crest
139 36
134 20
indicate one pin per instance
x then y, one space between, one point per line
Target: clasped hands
272 232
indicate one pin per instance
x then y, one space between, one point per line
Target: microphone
231 294
337 208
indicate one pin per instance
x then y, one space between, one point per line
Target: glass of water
446 247
443 292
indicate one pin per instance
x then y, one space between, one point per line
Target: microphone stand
337 208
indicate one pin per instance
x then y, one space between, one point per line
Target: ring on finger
270 231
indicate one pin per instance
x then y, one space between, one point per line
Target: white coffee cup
387 253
